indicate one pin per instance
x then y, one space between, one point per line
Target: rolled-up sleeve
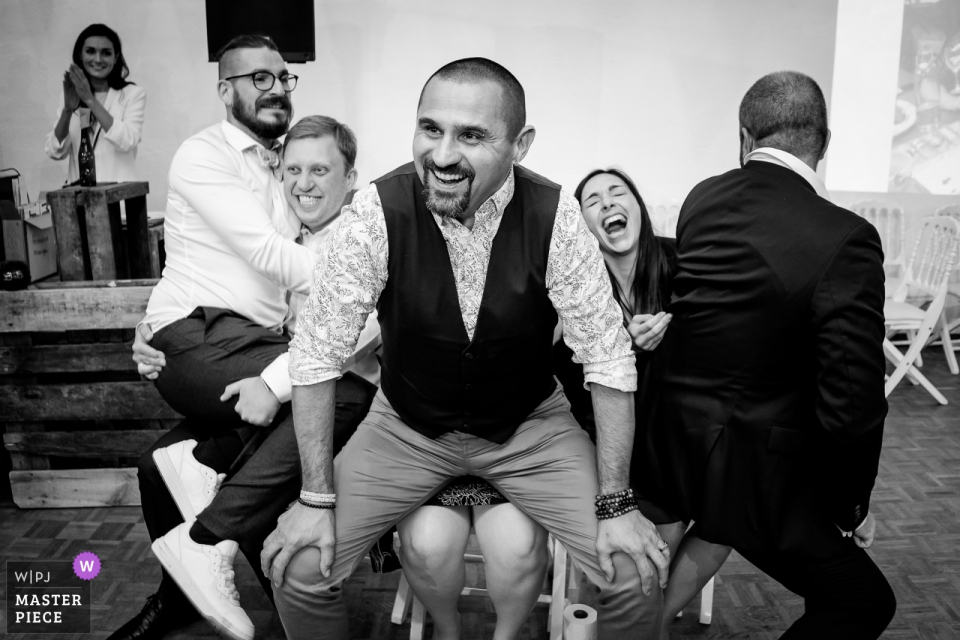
350 275
124 133
580 290
57 149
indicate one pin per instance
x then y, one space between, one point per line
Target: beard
246 114
441 203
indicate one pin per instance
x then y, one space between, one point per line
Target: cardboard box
28 236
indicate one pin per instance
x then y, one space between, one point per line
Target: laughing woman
97 94
641 266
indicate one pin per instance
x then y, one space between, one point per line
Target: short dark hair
319 126
786 110
513 99
245 41
118 75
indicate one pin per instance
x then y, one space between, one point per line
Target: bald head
229 53
513 107
786 110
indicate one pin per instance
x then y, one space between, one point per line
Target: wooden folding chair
928 272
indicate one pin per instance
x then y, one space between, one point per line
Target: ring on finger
662 545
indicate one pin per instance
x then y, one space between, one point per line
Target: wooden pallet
75 411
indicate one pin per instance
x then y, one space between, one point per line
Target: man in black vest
772 401
468 259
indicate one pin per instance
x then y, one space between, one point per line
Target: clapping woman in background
97 94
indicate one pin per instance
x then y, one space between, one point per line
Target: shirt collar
495 204
240 140
790 161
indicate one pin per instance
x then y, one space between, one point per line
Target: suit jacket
771 404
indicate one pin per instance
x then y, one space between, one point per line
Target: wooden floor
917 503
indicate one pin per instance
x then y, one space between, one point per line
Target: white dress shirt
230 240
116 149
792 162
352 273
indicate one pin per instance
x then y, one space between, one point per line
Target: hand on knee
303 569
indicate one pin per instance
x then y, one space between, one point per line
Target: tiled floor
917 502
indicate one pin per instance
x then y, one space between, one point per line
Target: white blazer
116 150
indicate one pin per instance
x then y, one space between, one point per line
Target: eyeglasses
264 80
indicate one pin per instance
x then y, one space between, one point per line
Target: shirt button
467 412
468 356
468 387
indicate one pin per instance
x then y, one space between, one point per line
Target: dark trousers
205 352
845 595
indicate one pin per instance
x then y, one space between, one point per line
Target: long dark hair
118 75
652 270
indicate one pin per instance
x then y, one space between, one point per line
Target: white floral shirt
352 272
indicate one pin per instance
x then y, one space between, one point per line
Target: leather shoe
155 620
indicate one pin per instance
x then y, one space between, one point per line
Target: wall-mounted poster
925 155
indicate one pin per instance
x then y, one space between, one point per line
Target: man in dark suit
772 401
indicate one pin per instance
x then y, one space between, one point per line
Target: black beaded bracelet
609 515
325 505
614 505
611 496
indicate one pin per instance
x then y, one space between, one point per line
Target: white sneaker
205 574
192 485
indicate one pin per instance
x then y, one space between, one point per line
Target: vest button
468 356
468 387
467 412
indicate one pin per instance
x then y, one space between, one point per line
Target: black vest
436 378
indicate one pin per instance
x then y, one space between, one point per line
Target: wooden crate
92 241
75 411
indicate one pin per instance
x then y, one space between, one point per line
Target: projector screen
896 98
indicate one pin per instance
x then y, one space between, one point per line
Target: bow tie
267 157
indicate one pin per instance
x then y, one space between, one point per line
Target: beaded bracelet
614 505
609 515
609 497
323 498
325 505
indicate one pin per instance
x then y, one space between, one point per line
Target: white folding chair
889 222
564 591
951 342
928 272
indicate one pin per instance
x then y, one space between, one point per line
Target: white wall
651 86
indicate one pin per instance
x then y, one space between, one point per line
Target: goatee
442 203
269 130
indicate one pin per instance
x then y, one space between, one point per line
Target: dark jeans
845 596
205 352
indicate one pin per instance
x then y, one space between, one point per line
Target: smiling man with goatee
469 259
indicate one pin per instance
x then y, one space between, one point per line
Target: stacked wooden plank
76 414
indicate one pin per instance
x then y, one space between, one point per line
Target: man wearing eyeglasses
216 316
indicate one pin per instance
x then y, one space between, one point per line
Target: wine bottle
86 160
